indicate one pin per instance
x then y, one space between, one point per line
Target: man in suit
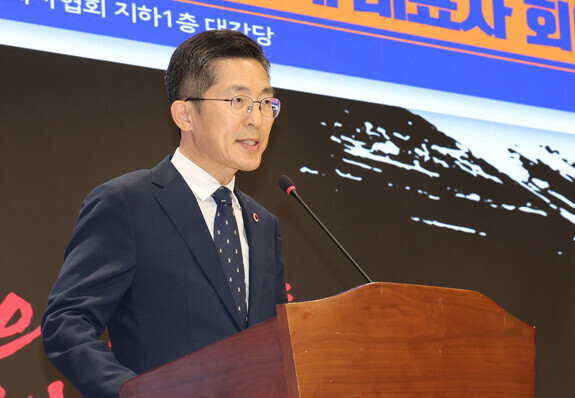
142 259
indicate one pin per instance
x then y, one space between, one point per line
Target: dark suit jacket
142 262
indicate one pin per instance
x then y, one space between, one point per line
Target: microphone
288 186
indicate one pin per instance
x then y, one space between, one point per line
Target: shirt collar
202 183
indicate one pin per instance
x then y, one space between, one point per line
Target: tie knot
222 196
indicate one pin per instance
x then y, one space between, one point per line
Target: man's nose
254 115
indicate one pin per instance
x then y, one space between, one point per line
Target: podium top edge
386 288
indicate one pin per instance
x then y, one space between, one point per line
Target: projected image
540 164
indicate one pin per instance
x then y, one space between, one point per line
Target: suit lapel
181 206
257 260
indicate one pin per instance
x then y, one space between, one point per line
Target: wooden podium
377 340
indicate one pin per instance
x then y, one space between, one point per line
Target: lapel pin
256 217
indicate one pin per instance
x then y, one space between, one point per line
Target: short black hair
191 73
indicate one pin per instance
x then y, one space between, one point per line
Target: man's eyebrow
267 90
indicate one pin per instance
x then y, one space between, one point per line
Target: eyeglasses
242 104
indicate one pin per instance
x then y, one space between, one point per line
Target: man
144 257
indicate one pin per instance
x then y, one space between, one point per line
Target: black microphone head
286 184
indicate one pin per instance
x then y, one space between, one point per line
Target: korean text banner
513 50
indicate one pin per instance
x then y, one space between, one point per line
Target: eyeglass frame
248 108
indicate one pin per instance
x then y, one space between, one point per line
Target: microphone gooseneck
288 186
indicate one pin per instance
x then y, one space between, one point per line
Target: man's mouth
248 142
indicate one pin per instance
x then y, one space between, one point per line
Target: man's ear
181 115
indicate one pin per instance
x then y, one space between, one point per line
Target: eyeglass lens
269 107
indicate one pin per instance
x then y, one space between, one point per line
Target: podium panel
394 340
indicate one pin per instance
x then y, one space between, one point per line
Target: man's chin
250 166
